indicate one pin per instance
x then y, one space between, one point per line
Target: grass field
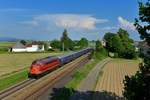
12 62
13 79
6 44
114 73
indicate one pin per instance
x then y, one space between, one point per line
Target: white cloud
67 21
123 23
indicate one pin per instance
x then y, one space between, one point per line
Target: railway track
31 88
15 88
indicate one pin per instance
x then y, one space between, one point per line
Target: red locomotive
42 65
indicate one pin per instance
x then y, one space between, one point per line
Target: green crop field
13 62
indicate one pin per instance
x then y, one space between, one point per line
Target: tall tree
66 42
137 87
127 42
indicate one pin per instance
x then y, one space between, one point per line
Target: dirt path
111 83
89 82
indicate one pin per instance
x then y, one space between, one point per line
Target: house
33 47
18 47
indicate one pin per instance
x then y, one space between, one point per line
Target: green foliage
66 41
45 46
113 42
62 93
100 54
120 44
100 51
137 87
83 43
56 44
98 45
23 42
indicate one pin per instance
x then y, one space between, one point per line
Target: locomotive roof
45 60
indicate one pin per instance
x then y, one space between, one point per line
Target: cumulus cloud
67 21
126 24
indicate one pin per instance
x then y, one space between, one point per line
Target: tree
124 36
128 47
23 42
66 42
100 51
56 44
120 44
98 45
137 87
113 42
83 43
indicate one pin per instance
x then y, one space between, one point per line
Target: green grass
14 67
10 62
13 79
6 44
83 72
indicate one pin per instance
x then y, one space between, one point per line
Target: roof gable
19 45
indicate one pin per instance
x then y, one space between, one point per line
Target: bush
102 53
62 93
116 55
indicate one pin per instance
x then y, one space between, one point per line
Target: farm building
33 47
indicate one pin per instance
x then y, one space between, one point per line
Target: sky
46 19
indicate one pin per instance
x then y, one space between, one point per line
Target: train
43 66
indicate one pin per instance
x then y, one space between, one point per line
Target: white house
33 47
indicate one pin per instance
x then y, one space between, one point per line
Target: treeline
65 43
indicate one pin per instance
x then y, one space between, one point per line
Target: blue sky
46 19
